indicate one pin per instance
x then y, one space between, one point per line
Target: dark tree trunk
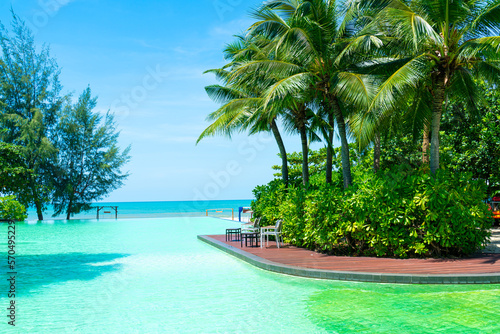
329 150
36 199
344 149
437 109
68 212
281 146
376 152
39 211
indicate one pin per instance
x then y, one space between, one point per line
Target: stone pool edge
351 275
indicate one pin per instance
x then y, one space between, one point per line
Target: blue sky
145 62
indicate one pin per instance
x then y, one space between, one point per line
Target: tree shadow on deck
490 258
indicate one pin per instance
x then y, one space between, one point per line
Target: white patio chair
271 230
251 226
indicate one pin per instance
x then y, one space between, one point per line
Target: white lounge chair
271 230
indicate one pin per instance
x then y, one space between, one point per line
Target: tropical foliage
10 208
13 180
89 160
30 100
14 174
398 213
438 46
35 123
471 143
391 76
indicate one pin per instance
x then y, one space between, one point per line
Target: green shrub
396 213
10 208
291 210
267 200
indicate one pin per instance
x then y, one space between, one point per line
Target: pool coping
487 278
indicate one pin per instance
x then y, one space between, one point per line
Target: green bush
396 213
292 211
267 200
10 208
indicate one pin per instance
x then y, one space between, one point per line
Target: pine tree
89 160
29 102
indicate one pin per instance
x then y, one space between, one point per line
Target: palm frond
485 48
269 23
233 48
419 112
276 67
489 71
298 45
465 88
488 21
230 117
221 94
410 27
220 74
356 89
260 121
404 79
363 128
361 44
292 86
287 7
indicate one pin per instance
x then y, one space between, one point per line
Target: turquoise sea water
154 209
154 276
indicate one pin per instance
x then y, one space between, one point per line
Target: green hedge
10 208
397 213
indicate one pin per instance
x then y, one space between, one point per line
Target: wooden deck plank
293 256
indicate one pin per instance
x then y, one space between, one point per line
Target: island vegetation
409 88
52 151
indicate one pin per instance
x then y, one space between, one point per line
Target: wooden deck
485 264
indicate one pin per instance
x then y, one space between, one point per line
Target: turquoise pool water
154 276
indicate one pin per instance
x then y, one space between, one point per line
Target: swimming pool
154 276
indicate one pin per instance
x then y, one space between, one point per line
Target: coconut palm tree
298 117
309 40
242 106
440 45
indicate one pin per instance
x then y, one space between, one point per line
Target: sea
159 209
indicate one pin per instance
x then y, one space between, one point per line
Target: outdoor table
231 232
252 236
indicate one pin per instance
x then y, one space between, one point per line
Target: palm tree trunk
281 146
425 145
437 109
305 155
344 149
329 150
376 152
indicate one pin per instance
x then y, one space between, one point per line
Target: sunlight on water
154 276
